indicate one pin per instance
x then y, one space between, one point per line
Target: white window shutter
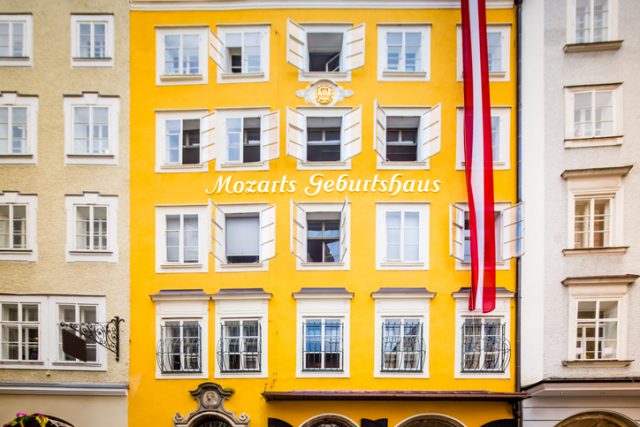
298 231
296 45
429 133
208 138
344 230
380 131
353 48
351 134
219 234
270 136
216 50
296 129
267 233
513 231
456 237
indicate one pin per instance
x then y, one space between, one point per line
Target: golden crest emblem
324 95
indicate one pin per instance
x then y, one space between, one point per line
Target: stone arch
597 419
211 411
329 420
430 420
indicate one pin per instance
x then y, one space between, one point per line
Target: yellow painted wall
161 399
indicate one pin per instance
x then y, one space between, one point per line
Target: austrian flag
478 155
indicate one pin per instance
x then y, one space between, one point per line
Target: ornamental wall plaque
211 398
324 93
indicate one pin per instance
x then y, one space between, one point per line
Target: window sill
242 76
596 141
22 362
593 46
181 266
409 75
335 76
90 253
91 156
497 165
78 365
16 251
400 265
324 165
240 166
91 62
500 265
15 61
196 167
497 74
322 265
611 250
16 156
611 363
402 165
181 77
242 265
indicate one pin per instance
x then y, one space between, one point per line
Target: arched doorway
330 420
212 422
597 419
430 421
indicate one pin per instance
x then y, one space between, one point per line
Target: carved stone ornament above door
211 410
324 93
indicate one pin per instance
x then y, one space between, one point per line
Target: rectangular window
323 139
592 21
483 345
593 114
243 52
404 51
179 350
182 238
90 130
402 236
325 50
243 238
323 237
402 139
13 130
182 54
92 38
494 51
13 226
12 35
597 330
592 222
243 139
91 228
182 141
323 345
467 236
402 346
500 137
240 346
20 331
498 52
403 232
77 313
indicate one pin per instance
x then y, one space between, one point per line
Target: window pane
604 114
191 238
83 228
413 57
10 312
19 226
4 227
601 223
393 221
18 39
586 309
172 54
190 54
411 236
4 130
582 115
582 21
608 309
173 238
394 49
99 48
243 238
494 51
234 137
495 137
600 20
5 49
173 140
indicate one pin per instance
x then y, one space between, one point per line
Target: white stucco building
580 129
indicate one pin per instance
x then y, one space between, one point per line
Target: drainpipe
518 408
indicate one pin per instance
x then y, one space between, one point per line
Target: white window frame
222 162
323 306
381 140
30 253
76 59
597 187
494 76
500 265
202 77
323 207
92 99
13 99
184 307
405 305
92 199
220 213
243 307
602 292
204 238
502 310
49 333
504 160
304 75
224 74
162 166
27 59
325 112
393 76
571 23
381 236
616 137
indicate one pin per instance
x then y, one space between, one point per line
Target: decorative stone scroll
324 93
211 398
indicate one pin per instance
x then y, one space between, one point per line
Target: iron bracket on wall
106 334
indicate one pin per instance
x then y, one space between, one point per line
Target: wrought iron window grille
322 345
241 352
105 334
402 346
485 347
179 349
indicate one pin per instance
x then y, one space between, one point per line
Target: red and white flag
478 155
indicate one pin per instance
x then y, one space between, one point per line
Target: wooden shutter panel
267 233
344 230
429 133
208 149
351 134
353 48
380 131
296 129
298 231
216 50
456 237
296 45
513 232
270 136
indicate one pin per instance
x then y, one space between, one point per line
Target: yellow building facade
296 195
